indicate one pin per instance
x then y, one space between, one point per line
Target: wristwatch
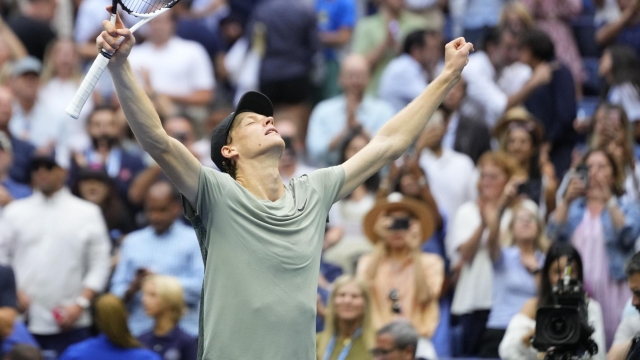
612 202
83 302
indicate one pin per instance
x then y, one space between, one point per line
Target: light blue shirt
481 13
175 253
513 285
619 243
329 118
402 81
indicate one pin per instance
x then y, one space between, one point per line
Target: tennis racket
144 9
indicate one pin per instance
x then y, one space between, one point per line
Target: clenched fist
456 56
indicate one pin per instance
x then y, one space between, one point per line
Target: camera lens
560 329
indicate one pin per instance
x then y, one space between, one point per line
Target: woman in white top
61 78
473 224
345 240
516 344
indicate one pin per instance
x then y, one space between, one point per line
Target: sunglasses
394 296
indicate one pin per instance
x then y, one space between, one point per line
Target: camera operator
405 282
516 344
629 328
602 229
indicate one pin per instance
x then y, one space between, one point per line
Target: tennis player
261 239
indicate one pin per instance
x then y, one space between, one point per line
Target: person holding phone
602 228
405 282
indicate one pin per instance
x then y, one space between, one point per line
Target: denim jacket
619 243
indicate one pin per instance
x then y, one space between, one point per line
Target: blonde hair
331 319
507 163
521 10
541 242
111 319
48 70
170 292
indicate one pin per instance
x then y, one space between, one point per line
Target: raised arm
182 168
400 132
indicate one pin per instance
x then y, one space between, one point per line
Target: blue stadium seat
584 31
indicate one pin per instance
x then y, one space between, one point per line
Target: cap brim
38 161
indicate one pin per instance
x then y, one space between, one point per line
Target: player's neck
346 328
164 324
261 178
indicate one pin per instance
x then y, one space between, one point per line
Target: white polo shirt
178 68
451 179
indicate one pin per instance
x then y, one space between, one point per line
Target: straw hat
520 116
394 202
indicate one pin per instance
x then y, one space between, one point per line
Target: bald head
6 99
354 73
162 206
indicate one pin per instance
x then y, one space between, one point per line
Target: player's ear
229 151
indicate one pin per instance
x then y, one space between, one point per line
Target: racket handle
87 86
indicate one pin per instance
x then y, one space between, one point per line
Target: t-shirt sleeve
628 329
8 296
328 183
211 186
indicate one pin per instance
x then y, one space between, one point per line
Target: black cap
251 101
38 161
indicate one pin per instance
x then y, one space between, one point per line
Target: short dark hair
539 43
413 40
633 266
174 193
491 37
97 109
403 333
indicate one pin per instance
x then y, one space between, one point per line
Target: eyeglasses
394 296
382 352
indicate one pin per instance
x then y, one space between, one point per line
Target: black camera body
562 329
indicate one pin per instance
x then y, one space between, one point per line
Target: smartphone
582 172
523 188
400 224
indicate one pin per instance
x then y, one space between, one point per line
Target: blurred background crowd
530 163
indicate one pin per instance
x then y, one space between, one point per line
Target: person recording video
602 228
517 341
397 226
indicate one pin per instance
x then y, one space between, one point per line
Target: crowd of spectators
529 164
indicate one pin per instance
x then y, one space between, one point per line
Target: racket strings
143 6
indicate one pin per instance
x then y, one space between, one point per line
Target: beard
104 141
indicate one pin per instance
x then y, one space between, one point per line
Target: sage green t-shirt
262 260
